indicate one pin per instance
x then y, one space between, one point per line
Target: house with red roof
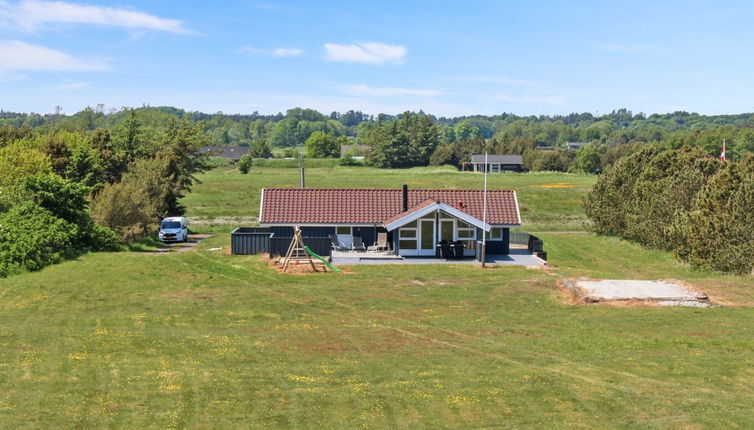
416 221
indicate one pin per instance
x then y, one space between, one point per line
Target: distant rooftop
231 152
497 159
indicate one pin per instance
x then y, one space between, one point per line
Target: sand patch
634 292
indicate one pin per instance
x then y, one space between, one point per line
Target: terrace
516 257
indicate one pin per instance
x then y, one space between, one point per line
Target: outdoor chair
458 249
445 250
337 245
381 244
358 244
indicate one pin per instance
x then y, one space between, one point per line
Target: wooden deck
364 255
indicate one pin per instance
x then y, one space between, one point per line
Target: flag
722 154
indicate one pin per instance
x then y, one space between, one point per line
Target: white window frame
349 227
492 236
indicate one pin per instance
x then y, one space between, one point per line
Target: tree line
67 192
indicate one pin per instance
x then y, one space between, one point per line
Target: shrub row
680 200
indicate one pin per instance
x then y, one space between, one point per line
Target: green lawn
208 340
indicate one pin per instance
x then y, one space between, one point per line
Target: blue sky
447 58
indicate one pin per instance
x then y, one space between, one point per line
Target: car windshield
170 224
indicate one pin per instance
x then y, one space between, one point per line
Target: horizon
445 59
112 110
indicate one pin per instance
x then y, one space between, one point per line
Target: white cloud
31 14
276 52
625 48
367 52
17 55
491 80
286 52
555 100
366 90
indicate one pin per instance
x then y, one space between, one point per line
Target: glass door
427 237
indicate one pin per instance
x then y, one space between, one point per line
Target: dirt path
194 240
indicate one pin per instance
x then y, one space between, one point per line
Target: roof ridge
389 189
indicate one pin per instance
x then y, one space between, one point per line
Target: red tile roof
373 206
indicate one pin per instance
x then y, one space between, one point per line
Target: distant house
233 153
354 149
416 221
576 145
498 163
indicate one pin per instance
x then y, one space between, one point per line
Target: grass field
208 340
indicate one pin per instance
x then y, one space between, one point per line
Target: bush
348 160
717 231
32 237
133 206
605 204
663 192
244 164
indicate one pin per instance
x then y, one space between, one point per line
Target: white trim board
450 210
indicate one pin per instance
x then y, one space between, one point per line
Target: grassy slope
113 340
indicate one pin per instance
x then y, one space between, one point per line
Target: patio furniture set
346 242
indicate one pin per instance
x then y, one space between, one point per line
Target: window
496 233
407 244
342 230
465 233
407 232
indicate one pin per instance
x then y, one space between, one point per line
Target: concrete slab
664 292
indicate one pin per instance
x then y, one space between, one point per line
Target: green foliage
406 142
443 155
323 145
245 163
558 160
133 206
18 161
63 198
588 160
681 200
32 237
129 138
181 152
718 230
260 149
348 160
51 224
56 148
85 166
604 205
663 192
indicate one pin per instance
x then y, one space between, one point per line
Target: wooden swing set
298 253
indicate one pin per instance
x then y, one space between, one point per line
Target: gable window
407 236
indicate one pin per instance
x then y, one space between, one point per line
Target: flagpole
484 215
